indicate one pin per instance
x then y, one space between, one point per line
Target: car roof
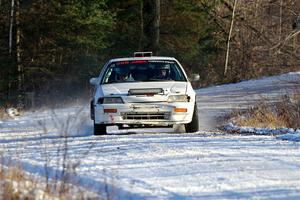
142 58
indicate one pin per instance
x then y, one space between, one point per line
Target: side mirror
93 81
194 77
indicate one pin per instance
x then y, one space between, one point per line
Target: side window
107 76
176 73
173 74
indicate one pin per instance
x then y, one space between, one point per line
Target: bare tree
11 25
141 25
266 37
157 25
18 54
229 37
280 19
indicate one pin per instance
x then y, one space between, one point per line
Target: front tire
92 110
193 126
99 129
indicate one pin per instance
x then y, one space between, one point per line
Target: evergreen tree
60 43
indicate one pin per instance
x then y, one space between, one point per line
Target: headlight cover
110 100
178 98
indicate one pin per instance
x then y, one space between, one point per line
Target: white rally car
143 91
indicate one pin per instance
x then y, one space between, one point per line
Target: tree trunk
280 20
229 37
10 39
18 55
157 26
11 25
141 46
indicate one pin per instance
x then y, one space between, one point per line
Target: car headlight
110 100
178 98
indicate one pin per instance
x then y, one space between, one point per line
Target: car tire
92 110
99 129
193 126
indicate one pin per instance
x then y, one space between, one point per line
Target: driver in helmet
163 72
125 75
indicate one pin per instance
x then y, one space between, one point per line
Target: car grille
146 116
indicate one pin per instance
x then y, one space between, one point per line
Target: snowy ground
151 164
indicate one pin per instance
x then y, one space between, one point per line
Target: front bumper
143 114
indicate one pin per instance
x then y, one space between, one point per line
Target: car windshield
142 71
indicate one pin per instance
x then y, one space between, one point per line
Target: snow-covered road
159 164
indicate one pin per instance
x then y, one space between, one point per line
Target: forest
50 49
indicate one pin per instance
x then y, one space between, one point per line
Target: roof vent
142 54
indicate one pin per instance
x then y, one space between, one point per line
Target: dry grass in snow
15 183
285 113
3 114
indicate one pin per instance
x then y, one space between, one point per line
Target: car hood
121 89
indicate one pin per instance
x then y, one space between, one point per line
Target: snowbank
289 134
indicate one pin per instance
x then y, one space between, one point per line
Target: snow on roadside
289 134
216 101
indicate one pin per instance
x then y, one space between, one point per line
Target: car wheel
99 129
92 110
193 126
